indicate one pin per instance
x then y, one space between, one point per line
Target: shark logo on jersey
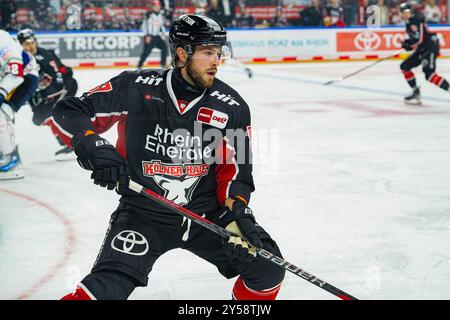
177 180
177 190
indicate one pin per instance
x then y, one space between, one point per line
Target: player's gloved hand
38 98
240 221
406 46
108 167
59 78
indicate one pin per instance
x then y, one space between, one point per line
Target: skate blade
65 156
12 175
413 103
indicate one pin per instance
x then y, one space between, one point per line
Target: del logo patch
106 87
212 117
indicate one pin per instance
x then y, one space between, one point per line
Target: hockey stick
362 69
226 234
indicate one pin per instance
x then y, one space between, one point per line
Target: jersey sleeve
98 109
417 37
14 74
59 66
234 176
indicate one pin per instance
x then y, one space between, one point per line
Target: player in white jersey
18 81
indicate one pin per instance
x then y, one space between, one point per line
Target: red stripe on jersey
102 123
16 69
79 294
121 145
63 70
225 170
58 132
242 292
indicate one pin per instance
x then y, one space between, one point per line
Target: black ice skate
414 98
65 153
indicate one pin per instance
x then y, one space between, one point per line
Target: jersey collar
174 98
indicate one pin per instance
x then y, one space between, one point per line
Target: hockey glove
108 167
59 78
241 222
406 45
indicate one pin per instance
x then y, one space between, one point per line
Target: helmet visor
223 50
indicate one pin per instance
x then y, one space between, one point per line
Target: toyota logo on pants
130 242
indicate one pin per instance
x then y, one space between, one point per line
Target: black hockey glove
240 221
406 45
59 78
108 167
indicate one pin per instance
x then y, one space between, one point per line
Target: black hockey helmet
25 34
405 6
190 30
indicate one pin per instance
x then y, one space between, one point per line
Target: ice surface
355 189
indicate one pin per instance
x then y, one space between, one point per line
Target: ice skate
414 98
11 166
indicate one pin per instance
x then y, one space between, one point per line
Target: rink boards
92 49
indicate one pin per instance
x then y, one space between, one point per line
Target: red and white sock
439 81
242 292
410 77
82 293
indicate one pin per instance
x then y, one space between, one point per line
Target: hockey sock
439 81
410 77
82 293
242 292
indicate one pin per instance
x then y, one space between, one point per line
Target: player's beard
197 77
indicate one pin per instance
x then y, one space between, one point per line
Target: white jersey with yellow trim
11 63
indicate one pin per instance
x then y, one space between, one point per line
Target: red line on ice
68 249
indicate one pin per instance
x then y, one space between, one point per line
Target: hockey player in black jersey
184 134
425 47
55 82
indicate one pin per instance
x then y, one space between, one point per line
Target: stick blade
329 82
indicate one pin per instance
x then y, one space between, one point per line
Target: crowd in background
128 14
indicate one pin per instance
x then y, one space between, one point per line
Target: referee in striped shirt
153 28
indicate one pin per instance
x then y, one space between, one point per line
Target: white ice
355 189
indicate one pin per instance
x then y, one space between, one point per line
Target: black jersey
178 140
418 37
52 70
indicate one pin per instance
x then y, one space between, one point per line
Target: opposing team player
18 81
55 82
425 47
184 134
